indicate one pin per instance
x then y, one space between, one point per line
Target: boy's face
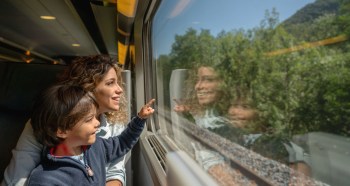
84 132
108 92
240 115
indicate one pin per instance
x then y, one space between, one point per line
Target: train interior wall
20 83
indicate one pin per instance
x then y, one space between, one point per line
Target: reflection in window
258 90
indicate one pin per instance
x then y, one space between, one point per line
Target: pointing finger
150 102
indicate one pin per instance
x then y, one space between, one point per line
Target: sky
175 17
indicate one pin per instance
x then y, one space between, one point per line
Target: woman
99 75
209 101
206 105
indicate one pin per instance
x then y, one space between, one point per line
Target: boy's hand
146 111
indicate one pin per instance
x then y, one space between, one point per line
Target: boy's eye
89 119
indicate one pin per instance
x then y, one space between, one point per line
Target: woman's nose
198 85
119 89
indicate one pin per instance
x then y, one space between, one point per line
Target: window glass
257 91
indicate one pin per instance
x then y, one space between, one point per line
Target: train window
257 92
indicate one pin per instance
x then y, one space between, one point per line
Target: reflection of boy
245 132
64 120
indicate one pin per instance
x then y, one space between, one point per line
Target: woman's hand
146 111
180 106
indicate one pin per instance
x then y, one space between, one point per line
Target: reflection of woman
205 113
208 94
205 106
208 101
96 74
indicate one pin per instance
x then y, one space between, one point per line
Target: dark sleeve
271 147
231 133
118 146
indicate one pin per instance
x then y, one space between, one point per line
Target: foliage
296 90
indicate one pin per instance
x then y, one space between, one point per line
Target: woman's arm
25 157
115 171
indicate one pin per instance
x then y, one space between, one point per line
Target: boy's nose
97 123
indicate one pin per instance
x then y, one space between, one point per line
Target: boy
64 120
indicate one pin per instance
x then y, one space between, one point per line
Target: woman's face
207 86
108 92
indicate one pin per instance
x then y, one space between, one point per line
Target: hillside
313 10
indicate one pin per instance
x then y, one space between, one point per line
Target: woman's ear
61 134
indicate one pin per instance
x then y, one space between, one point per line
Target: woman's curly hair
88 71
221 105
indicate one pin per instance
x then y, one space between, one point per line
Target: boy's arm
118 146
25 157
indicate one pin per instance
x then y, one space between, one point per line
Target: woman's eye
208 79
110 83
